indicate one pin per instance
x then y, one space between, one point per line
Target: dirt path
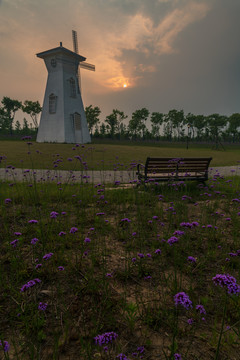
95 177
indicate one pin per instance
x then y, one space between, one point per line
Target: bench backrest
179 165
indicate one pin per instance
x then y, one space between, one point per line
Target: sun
124 85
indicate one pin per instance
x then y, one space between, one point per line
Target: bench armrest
138 168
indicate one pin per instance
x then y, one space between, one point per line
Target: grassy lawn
103 156
100 272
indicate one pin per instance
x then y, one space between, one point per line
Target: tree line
8 109
173 126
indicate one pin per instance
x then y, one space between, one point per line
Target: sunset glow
125 85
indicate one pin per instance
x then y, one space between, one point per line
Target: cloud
139 33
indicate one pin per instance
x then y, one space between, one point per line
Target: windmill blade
87 66
75 42
75 48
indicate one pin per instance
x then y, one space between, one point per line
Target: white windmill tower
63 118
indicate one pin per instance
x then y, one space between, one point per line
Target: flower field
101 271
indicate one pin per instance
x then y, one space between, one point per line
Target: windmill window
72 88
52 104
77 121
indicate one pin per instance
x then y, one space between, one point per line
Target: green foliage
92 116
32 108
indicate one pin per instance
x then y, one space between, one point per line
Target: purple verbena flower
182 298
34 241
201 309
5 345
122 357
47 256
30 284
87 240
191 259
73 230
33 221
172 240
53 214
157 251
14 243
177 357
61 268
105 338
62 233
228 281
42 306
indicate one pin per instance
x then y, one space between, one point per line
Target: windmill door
77 121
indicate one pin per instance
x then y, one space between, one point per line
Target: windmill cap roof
60 50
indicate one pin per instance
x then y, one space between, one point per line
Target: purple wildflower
140 255
87 240
183 299
62 233
73 230
190 321
7 201
201 309
17 233
30 284
33 221
61 268
34 241
42 306
38 266
226 280
53 214
121 357
105 338
47 256
14 243
177 357
191 259
172 240
125 220
157 251
5 345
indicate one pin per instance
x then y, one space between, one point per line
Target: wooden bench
169 169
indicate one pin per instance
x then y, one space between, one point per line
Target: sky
169 54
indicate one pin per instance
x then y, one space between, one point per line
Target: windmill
63 118
82 65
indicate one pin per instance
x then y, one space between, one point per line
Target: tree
199 123
92 116
175 119
189 121
17 127
114 120
32 108
10 107
102 130
25 128
234 124
137 126
216 123
156 121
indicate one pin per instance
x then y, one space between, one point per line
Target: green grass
106 284
104 156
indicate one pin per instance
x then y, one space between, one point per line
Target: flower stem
221 332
